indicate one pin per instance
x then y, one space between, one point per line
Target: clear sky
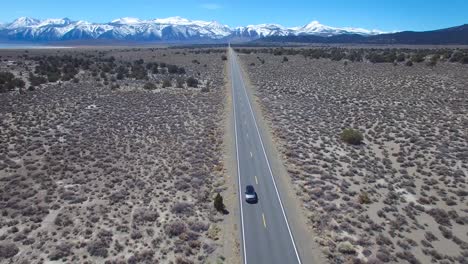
387 15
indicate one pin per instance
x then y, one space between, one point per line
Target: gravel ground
399 197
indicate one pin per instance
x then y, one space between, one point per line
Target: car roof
249 188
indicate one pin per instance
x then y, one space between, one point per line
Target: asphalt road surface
265 233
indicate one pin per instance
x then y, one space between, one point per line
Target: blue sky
385 15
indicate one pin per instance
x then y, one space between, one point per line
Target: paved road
266 236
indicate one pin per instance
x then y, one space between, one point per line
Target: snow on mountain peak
170 28
172 20
314 23
23 22
127 21
55 21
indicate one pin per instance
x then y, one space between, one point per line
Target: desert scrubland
401 195
110 155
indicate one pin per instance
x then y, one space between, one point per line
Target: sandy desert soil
100 170
400 197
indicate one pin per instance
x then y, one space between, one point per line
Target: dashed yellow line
256 181
264 222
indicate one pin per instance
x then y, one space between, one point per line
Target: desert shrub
182 208
175 228
8 82
36 80
180 82
418 57
354 55
63 220
285 59
172 69
166 83
136 235
198 226
223 57
181 70
400 57
440 216
351 136
145 215
192 82
379 57
180 260
383 255
218 203
408 256
409 63
337 55
364 198
17 83
139 72
433 61
346 248
383 240
8 250
447 233
430 236
457 56
6 77
61 251
149 86
205 89
121 72
98 248
146 256
155 69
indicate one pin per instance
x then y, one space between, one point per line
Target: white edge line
237 159
271 173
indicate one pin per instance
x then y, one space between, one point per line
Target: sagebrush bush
192 82
166 83
149 86
175 228
364 198
351 136
8 250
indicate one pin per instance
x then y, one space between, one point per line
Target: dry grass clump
94 174
351 136
398 197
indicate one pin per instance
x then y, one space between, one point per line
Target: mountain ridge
182 30
158 29
448 36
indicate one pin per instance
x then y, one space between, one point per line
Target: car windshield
249 189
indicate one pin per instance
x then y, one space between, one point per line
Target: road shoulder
230 231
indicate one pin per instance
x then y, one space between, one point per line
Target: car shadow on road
252 202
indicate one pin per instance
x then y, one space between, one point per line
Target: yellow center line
264 222
256 181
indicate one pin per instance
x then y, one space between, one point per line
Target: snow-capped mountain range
170 29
